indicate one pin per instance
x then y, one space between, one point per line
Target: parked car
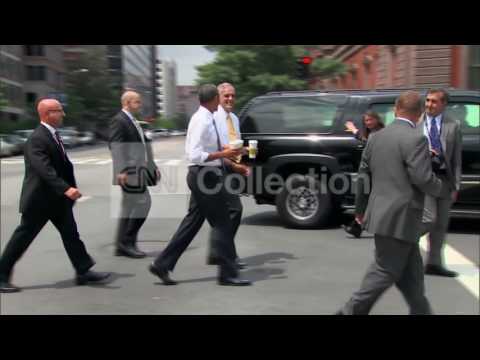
86 138
70 138
178 133
16 141
298 131
6 148
23 134
160 132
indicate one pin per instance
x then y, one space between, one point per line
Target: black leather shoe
6 287
439 270
92 277
129 251
234 282
353 229
162 274
241 264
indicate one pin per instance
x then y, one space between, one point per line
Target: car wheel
304 202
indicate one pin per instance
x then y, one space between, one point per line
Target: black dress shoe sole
132 256
234 283
435 273
157 273
81 281
9 290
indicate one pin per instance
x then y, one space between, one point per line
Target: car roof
387 93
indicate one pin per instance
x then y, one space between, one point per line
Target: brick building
398 66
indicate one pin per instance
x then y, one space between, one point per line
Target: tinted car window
293 115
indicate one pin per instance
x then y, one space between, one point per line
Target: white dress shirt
201 139
52 131
220 117
412 124
139 130
428 126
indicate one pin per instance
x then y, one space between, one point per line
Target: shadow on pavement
255 274
65 284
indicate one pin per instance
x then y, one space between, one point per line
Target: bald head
51 112
409 105
131 101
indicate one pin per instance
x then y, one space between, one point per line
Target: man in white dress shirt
229 130
208 164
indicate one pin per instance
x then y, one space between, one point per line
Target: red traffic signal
307 60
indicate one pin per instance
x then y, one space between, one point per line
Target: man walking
397 161
49 192
133 169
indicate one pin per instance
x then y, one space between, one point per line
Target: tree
93 95
253 69
257 69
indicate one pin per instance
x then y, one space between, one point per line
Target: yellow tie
232 135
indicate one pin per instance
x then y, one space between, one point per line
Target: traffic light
303 67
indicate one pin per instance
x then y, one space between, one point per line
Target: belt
206 166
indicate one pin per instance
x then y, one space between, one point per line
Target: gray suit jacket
129 154
451 139
396 162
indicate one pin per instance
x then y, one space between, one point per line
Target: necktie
60 142
232 135
435 136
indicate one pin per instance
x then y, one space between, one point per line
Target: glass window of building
474 70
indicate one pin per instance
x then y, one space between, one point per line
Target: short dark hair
445 94
207 93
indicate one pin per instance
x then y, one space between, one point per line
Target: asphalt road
294 271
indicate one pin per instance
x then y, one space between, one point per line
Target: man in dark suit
133 169
49 192
396 162
445 140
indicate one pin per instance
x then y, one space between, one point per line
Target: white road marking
468 271
11 162
84 161
173 162
103 162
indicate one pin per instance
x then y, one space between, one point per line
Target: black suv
301 131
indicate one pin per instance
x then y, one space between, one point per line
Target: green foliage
257 69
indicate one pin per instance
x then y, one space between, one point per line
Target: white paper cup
236 144
252 149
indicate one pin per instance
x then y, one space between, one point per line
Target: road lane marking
84 161
468 271
103 162
172 162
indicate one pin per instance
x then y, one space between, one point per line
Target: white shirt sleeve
195 151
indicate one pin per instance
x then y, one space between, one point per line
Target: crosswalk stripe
468 271
172 162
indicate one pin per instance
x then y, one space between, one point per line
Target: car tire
305 203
